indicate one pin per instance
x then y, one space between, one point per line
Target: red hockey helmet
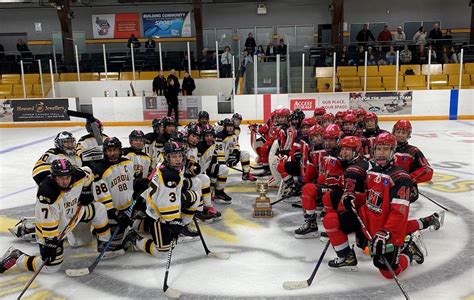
328 117
385 138
319 111
402 124
309 122
284 112
349 118
316 130
352 142
332 132
360 111
340 114
371 116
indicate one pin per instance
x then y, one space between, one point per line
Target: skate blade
188 239
221 201
112 254
311 235
345 269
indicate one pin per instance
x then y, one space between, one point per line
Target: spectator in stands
448 38
173 76
260 54
385 35
364 35
325 88
282 49
343 57
136 43
271 52
250 44
434 55
391 56
338 87
362 55
246 60
409 71
405 55
380 56
421 56
452 56
435 33
150 45
226 63
188 84
328 58
159 84
371 57
22 47
420 36
171 94
2 51
399 36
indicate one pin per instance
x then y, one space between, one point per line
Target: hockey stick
90 118
169 291
60 238
389 267
90 269
281 199
241 171
218 255
437 203
294 285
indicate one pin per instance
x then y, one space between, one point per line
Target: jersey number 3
172 197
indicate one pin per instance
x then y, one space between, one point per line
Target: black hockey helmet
170 148
66 142
61 167
237 116
196 130
226 123
89 126
112 142
136 135
203 115
168 121
208 129
156 123
179 137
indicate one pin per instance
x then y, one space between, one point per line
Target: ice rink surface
264 252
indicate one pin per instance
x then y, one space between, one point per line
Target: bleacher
382 78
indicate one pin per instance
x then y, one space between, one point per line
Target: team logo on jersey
385 181
374 201
171 184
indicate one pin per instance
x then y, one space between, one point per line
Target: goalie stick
294 285
218 255
90 118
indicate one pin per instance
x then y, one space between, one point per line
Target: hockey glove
379 242
348 201
123 219
297 156
175 228
232 161
94 153
49 249
139 186
86 196
236 153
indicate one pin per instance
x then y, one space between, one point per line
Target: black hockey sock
343 252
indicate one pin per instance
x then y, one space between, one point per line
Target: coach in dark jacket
171 95
188 85
159 84
172 76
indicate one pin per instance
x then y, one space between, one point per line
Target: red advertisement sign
125 25
303 104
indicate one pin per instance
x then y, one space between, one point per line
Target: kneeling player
384 213
169 207
59 197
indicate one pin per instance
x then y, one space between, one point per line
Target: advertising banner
383 103
156 107
110 26
34 110
167 24
332 102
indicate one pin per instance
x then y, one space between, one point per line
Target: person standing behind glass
159 84
171 95
188 85
226 63
250 44
136 43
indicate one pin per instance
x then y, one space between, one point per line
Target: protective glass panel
304 36
224 37
264 36
243 34
288 34
209 37
411 28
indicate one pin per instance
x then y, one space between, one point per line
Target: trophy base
262 209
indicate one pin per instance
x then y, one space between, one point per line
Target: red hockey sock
309 195
403 262
338 238
412 226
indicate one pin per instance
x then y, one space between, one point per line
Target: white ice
264 252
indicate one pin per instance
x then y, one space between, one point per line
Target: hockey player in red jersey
383 211
298 157
317 180
328 118
339 117
318 114
415 163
